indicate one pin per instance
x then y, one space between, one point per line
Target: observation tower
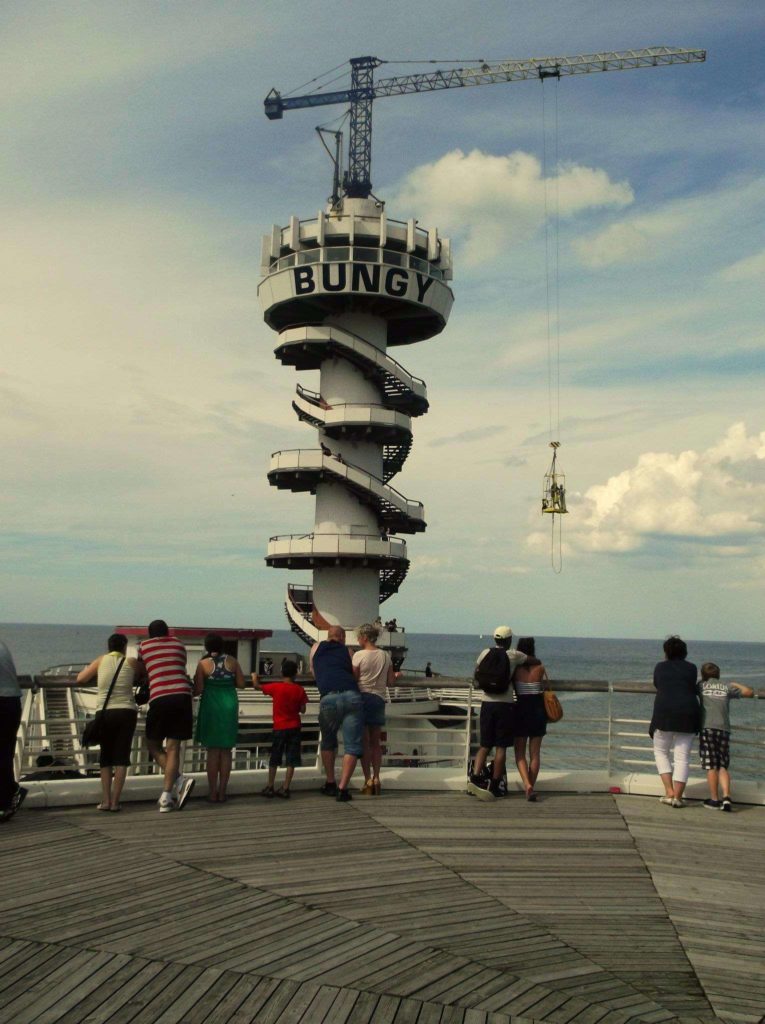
340 290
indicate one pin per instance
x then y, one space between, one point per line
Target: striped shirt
165 661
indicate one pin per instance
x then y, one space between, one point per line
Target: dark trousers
10 719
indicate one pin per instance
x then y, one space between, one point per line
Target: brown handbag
553 708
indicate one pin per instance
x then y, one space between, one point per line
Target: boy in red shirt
290 701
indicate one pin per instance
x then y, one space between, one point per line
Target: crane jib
365 90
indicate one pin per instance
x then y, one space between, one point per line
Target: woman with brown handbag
529 681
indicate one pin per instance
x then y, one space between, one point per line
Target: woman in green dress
217 679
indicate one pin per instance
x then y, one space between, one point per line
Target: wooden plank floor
413 907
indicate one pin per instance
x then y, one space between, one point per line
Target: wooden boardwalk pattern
408 909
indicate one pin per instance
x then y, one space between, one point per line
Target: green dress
218 718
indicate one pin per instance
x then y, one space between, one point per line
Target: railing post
609 760
469 725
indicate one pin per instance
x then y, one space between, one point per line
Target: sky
139 396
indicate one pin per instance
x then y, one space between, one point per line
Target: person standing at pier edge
119 718
289 703
373 670
340 706
11 794
217 678
170 716
714 747
676 719
497 723
531 719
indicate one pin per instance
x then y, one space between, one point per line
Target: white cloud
750 268
684 224
714 499
491 202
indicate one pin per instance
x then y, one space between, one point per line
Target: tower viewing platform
341 289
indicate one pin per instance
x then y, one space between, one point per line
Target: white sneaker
166 803
183 787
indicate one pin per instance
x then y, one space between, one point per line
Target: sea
36 646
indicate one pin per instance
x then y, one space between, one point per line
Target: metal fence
604 729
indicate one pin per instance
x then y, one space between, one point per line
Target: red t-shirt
288 699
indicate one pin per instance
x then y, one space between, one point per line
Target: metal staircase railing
401 389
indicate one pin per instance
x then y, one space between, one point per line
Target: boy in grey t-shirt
714 743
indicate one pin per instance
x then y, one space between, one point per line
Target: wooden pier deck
412 908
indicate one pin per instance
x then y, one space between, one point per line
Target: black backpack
493 673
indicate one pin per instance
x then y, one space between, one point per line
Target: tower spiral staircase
340 289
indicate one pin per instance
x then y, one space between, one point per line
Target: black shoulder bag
91 734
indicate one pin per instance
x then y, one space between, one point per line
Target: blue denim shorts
374 709
342 709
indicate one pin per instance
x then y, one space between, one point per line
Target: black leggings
10 719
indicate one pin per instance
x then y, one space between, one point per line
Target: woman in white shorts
373 670
676 719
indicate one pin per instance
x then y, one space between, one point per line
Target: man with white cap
493 675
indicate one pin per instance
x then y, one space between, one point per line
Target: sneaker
343 796
183 787
496 788
18 798
677 802
329 789
480 788
166 803
713 805
666 800
727 804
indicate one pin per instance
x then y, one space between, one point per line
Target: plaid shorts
714 748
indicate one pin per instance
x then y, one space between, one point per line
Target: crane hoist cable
554 486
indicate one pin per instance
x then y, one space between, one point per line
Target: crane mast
357 182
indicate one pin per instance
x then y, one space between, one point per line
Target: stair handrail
351 465
381 357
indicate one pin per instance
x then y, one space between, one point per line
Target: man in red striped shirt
170 719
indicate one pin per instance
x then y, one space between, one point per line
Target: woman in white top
374 673
529 681
119 718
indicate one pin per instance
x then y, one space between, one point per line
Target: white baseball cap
503 633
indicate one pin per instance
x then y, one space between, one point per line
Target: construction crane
357 181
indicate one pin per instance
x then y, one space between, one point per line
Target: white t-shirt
373 671
515 658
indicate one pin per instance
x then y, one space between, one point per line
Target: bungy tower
341 290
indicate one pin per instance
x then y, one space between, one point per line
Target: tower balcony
307 347
302 469
303 551
310 285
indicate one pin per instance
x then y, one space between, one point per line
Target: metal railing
357 254
348 544
314 458
436 727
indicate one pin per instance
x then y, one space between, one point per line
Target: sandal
368 789
268 792
283 793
